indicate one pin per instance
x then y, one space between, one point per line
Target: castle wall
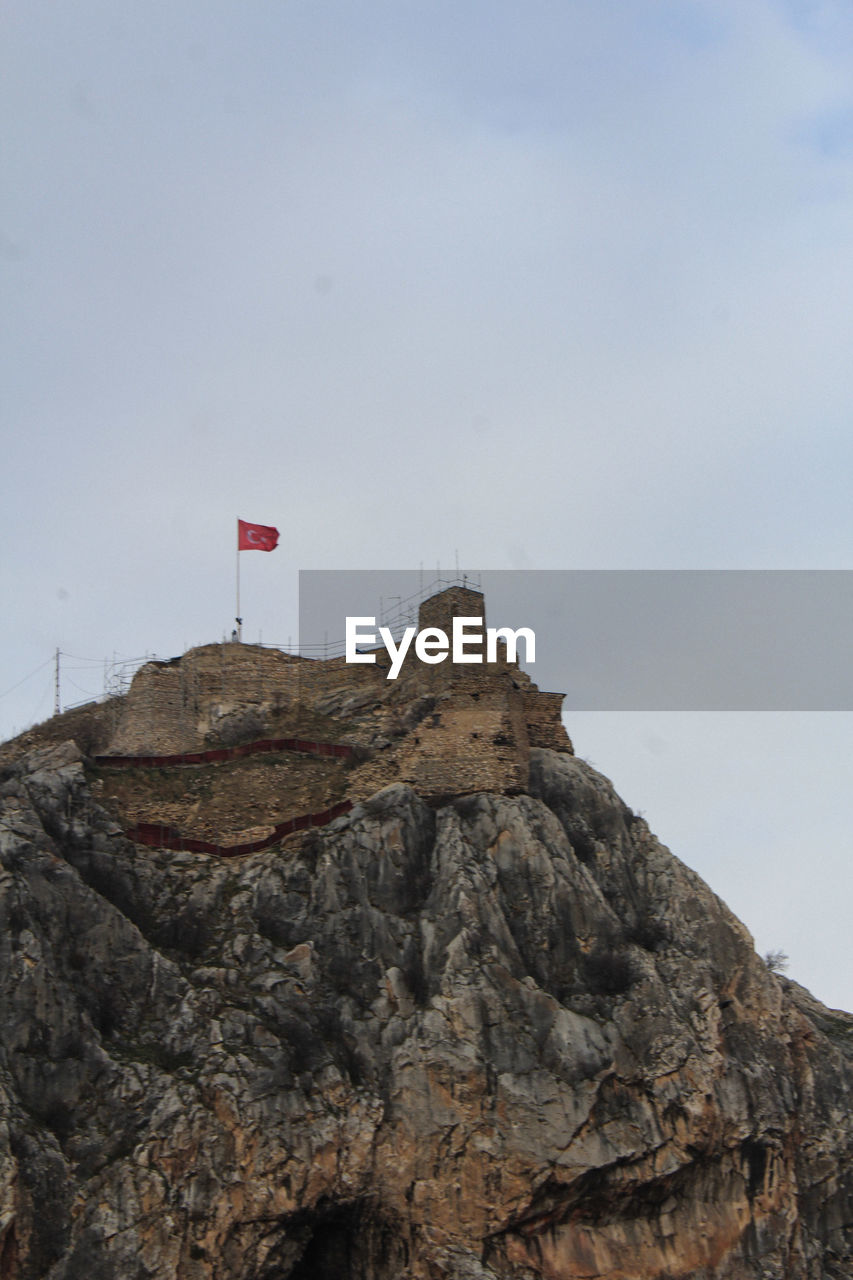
469 744
543 717
185 704
456 602
477 736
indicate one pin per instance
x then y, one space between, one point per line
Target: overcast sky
555 285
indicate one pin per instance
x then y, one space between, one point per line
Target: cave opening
332 1249
348 1242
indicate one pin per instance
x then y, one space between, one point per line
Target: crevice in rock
339 1242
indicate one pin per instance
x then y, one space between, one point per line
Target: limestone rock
496 1038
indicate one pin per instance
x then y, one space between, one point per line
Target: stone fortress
444 729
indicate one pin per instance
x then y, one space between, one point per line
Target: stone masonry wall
470 744
179 705
542 715
477 735
456 602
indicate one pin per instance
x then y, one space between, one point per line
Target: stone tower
454 602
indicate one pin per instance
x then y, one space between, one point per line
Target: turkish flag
256 537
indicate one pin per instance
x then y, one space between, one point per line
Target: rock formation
500 1035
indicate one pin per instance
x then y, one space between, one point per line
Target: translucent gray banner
633 640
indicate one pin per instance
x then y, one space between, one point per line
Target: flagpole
237 618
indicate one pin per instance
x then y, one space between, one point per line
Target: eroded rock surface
501 1037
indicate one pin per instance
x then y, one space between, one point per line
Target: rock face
493 1037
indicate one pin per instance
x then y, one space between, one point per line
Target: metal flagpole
237 618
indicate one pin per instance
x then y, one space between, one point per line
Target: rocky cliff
491 1036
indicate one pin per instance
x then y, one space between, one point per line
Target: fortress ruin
444 729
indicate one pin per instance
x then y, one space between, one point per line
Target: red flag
256 537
